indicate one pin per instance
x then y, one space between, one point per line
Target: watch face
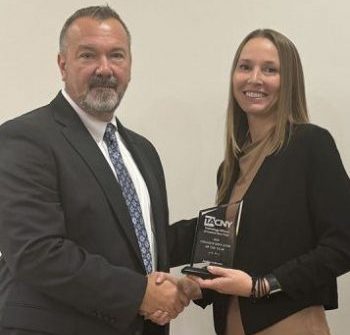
273 283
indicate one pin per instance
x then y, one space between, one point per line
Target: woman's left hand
228 281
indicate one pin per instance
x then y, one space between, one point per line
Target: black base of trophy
199 272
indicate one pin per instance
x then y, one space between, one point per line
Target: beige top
309 321
253 155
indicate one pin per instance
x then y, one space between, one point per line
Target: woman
294 236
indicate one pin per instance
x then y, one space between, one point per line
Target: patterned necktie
129 194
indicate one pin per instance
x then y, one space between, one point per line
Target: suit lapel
78 136
147 169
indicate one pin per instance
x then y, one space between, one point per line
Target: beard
103 96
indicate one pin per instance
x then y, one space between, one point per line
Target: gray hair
96 12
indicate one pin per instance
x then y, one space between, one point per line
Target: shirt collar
95 127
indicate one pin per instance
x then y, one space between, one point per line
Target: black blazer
71 262
295 224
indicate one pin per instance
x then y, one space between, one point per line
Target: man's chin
102 93
106 108
102 89
100 106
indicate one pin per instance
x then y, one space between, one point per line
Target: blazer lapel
158 200
79 137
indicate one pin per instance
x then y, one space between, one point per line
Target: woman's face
256 78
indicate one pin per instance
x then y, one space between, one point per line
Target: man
83 211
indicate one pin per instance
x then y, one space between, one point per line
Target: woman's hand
228 281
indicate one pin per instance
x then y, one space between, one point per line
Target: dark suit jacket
296 224
71 262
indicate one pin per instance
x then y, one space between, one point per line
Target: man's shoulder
32 118
140 142
36 118
133 136
37 123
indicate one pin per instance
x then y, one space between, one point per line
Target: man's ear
61 61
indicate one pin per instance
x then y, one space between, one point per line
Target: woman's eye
270 69
243 67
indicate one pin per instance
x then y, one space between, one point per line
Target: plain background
182 53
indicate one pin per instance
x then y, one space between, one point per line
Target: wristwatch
274 284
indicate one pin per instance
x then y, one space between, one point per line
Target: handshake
166 296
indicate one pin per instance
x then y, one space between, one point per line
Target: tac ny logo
212 221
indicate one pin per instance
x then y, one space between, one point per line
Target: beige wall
182 55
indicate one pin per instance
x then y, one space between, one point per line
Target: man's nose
104 67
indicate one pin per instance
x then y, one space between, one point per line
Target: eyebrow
269 62
92 47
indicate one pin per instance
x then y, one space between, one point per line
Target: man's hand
165 298
186 285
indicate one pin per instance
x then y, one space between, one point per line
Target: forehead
87 30
260 48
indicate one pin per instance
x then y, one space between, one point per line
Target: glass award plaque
215 239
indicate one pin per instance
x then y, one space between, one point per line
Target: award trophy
215 239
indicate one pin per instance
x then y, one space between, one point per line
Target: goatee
102 96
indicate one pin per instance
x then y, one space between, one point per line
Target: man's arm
35 240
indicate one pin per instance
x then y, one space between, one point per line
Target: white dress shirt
97 129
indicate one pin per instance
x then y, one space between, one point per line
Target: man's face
95 65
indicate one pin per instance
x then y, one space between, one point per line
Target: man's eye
118 55
86 55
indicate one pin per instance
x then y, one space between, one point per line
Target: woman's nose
255 76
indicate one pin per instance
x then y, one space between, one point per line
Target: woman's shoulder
310 134
308 130
312 140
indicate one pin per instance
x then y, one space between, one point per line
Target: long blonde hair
290 106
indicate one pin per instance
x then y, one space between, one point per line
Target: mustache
99 81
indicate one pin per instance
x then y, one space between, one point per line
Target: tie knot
109 132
